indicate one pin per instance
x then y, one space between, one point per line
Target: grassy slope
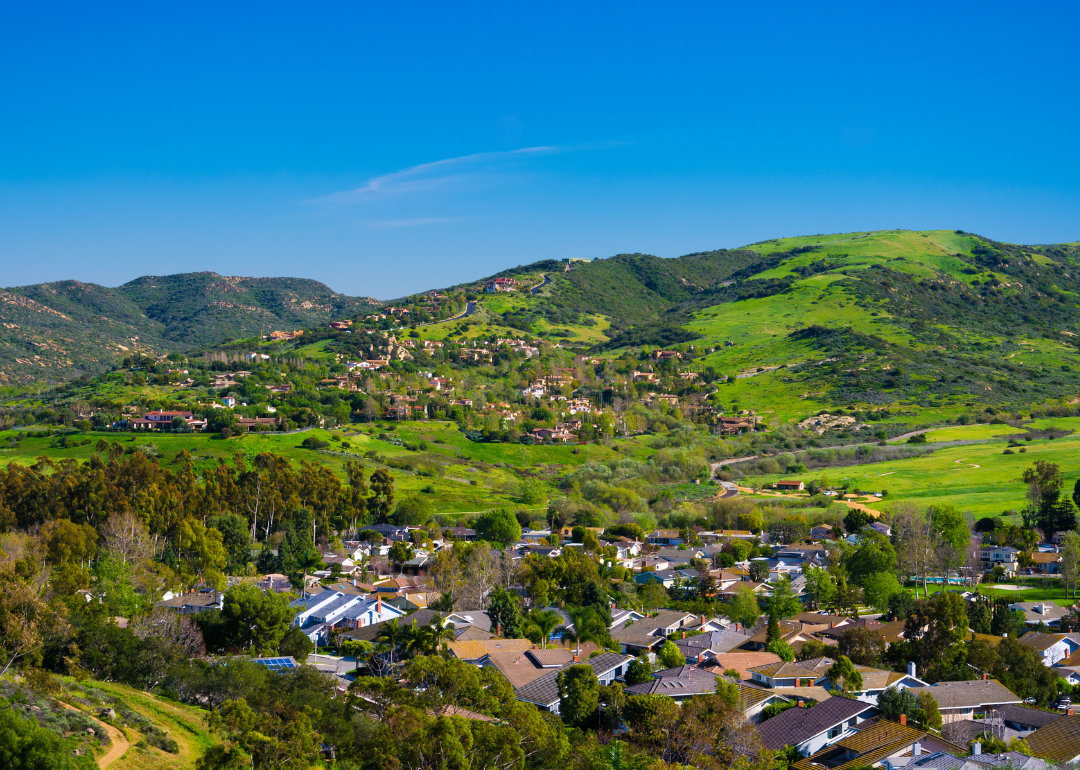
949 476
455 460
760 327
184 724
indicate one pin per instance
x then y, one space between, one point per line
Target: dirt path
118 742
961 460
849 503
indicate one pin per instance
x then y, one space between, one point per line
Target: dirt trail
118 745
849 503
961 460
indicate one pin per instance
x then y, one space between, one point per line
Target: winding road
536 289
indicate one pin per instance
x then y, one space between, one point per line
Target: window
833 732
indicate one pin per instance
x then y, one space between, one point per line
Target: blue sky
388 148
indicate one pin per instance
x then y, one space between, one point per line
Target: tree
879 588
235 539
579 694
545 621
781 649
639 671
296 644
498 526
759 570
24 745
744 608
505 614
856 519
896 701
820 586
772 630
845 677
863 646
255 620
669 655
1070 561
873 555
928 705
400 552
413 510
381 500
785 602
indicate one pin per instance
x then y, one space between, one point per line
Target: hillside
938 321
52 332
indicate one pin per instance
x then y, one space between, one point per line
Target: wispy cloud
416 222
435 175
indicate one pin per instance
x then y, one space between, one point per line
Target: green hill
57 331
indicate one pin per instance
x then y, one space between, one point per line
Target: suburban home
1047 562
679 683
1053 648
1004 556
520 668
790 486
937 760
804 673
665 537
1040 612
194 603
876 681
543 692
961 700
474 651
1026 719
811 729
648 634
881 529
821 532
318 615
704 647
620 617
877 744
1058 741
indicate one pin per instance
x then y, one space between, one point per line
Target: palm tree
582 629
394 635
545 621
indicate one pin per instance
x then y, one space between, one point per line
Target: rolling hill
937 320
52 332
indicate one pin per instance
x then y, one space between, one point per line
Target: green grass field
461 475
978 477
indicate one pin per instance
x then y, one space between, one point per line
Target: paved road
536 289
469 310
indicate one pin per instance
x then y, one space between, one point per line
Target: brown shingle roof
796 725
476 649
742 662
814 667
970 694
1059 740
1040 641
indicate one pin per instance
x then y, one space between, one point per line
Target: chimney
378 605
577 659
903 720
738 626
911 668
976 749
984 676
796 682
703 620
802 704
683 634
832 624
498 630
916 749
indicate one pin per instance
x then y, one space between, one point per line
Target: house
804 673
1026 719
741 661
876 681
1058 741
521 668
476 650
881 529
940 760
665 578
961 700
790 486
665 537
810 730
500 284
679 683
707 646
1046 563
821 532
317 615
877 744
194 603
1003 556
1040 612
648 634
1052 648
543 692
